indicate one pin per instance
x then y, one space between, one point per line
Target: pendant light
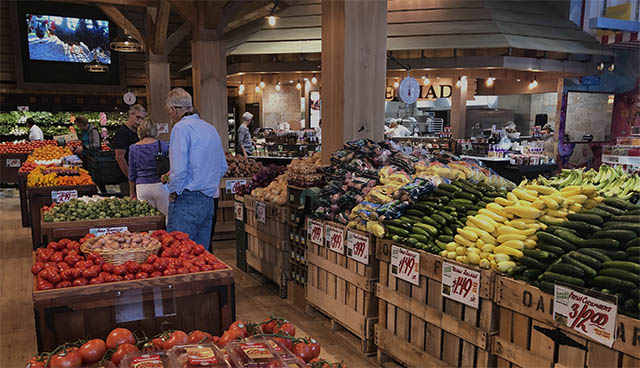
425 79
278 87
314 80
459 83
257 88
262 85
611 67
95 66
396 84
600 66
299 86
533 84
126 43
272 19
489 81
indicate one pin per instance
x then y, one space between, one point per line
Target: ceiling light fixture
533 84
262 85
126 43
278 86
425 79
489 81
272 19
257 88
459 83
611 67
600 66
95 66
396 84
299 86
314 80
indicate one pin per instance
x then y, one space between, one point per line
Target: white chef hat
247 116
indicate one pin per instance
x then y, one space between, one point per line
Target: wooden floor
253 302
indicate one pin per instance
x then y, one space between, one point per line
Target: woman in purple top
144 181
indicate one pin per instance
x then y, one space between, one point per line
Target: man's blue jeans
192 213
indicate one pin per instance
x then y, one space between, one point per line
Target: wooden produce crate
418 327
294 196
529 337
202 300
53 231
225 218
343 288
24 200
9 165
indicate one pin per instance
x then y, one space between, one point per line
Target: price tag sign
334 238
315 232
405 264
59 196
13 162
585 314
163 128
229 184
460 284
238 209
358 247
261 212
99 231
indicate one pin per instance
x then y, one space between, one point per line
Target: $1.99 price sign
59 196
405 264
585 314
460 284
315 232
358 247
334 238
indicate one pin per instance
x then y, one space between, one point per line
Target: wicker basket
120 256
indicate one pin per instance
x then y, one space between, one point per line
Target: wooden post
459 108
556 124
354 36
158 84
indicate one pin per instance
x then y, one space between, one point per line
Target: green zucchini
567 269
445 215
633 212
430 221
580 226
602 213
449 188
447 230
551 248
442 193
421 231
531 262
568 236
547 287
620 203
634 242
612 283
588 260
450 210
555 240
621 274
406 219
612 210
623 265
419 237
518 270
416 213
634 259
446 238
540 255
595 253
551 229
622 236
466 195
397 230
399 223
462 201
552 277
428 228
633 251
441 245
616 255
634 219
589 272
532 273
588 218
602 243
617 225
439 219
471 213
398 239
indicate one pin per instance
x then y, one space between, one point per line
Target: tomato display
93 350
119 336
66 359
24 147
122 351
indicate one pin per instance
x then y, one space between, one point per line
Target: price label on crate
238 210
59 196
460 284
13 162
315 232
99 231
358 247
592 316
261 212
229 184
405 264
334 238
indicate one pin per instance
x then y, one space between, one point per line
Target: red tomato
80 282
119 336
315 348
63 266
285 342
269 326
169 272
206 267
129 277
96 280
152 258
90 273
193 269
63 284
156 274
286 328
37 267
57 257
177 337
132 267
142 275
160 264
119 270
182 270
70 359
302 350
107 267
117 278
77 273
158 343
93 350
122 351
54 276
145 267
44 285
198 337
108 277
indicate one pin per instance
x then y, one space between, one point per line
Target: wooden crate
225 217
202 300
10 165
344 289
53 231
529 337
24 200
418 327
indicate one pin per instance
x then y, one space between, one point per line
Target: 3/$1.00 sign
315 232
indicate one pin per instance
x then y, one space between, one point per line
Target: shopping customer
244 136
197 165
125 137
35 133
89 136
144 181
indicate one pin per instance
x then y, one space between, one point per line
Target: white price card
99 231
460 284
261 212
229 184
13 162
59 196
315 232
585 314
238 210
163 128
405 264
358 247
334 237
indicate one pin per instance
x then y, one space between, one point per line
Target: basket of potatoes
118 248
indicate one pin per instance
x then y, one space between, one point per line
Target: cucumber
397 230
612 283
568 236
407 220
450 210
413 218
428 220
445 215
634 219
547 287
518 270
580 226
588 271
552 277
623 265
449 188
399 223
588 218
531 262
620 203
462 201
555 240
441 245
439 219
466 195
612 210
622 236
634 243
617 225
633 251
588 260
616 255
610 244
532 273
432 230
567 269
419 237
418 230
442 193
595 253
446 238
416 213
551 248
447 230
551 229
602 213
621 274
634 259
540 255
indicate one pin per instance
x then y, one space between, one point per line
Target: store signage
430 92
238 209
405 264
163 128
261 212
23 108
594 317
315 232
229 184
59 196
107 230
13 162
334 238
358 247
460 284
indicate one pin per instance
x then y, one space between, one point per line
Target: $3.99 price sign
59 196
334 238
460 284
358 247
405 264
238 210
261 212
315 232
588 315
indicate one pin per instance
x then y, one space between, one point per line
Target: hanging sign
107 230
261 212
59 196
358 247
13 162
229 184
460 284
238 209
405 264
585 314
315 232
334 238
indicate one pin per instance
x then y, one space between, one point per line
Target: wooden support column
459 108
158 84
354 47
556 123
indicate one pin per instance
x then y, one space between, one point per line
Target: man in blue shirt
197 165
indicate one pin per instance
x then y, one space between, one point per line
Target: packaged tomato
197 355
285 353
156 359
254 353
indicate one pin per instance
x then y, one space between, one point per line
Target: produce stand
225 220
54 231
41 196
202 300
419 327
539 341
10 164
241 235
344 288
24 201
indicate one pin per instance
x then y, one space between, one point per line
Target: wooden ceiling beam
187 11
116 16
254 10
139 3
161 26
176 38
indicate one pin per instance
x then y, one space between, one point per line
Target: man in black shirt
126 136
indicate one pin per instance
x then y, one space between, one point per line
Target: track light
278 86
396 84
459 83
533 84
299 86
257 88
425 80
612 67
314 80
600 66
262 84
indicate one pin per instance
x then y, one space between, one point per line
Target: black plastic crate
104 169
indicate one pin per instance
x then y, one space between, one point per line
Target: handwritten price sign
358 247
315 232
59 196
238 210
588 315
107 230
229 184
405 264
261 212
13 162
334 238
460 284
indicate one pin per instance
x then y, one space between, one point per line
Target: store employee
35 133
244 136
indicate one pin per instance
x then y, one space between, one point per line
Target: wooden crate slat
341 272
406 353
511 352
